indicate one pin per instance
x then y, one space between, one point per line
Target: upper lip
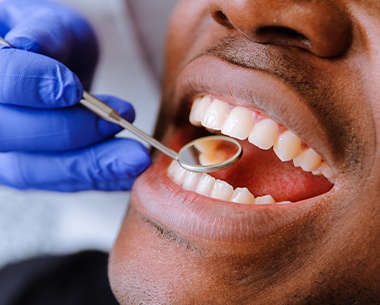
257 90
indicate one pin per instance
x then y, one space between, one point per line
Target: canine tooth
179 175
327 172
198 109
191 181
221 190
264 134
216 114
287 146
309 160
239 123
268 199
242 195
205 184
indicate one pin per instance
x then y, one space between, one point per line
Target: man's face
298 83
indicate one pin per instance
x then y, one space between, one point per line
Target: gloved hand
47 141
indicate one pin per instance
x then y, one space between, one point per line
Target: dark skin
320 61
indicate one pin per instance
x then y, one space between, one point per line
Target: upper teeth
242 123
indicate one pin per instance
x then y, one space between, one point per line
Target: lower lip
157 198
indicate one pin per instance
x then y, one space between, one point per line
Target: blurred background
131 35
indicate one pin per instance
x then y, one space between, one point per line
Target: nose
321 27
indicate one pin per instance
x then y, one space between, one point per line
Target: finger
3 28
26 129
54 30
110 166
45 27
44 33
33 80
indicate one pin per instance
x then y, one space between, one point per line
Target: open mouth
277 166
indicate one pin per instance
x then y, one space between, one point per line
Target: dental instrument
207 154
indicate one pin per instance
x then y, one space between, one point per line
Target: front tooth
221 190
179 175
287 146
216 114
268 199
172 168
191 181
242 195
309 160
239 123
264 134
198 109
205 184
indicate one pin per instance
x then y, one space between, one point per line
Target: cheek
144 268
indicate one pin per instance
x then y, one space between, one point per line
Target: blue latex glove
47 141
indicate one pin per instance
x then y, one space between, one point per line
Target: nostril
322 28
280 31
221 18
282 35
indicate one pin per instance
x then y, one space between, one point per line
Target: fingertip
24 43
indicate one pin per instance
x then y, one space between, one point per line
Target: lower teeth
208 186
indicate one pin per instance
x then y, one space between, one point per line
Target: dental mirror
208 154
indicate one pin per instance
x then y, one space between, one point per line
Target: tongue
264 174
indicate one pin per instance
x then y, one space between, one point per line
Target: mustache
241 51
294 67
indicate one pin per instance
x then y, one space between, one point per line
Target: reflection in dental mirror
210 154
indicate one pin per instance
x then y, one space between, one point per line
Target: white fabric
33 222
